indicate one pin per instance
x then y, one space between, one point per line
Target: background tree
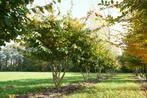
11 58
134 12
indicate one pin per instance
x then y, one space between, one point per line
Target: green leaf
59 1
49 7
41 9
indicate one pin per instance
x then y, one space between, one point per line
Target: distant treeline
33 64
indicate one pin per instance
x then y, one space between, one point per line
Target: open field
119 86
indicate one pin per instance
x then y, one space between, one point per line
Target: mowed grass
119 86
26 82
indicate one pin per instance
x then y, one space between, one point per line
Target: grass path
120 86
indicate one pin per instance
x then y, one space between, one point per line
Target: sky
80 7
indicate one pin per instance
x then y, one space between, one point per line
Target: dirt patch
57 93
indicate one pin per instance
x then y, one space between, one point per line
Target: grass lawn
24 82
120 86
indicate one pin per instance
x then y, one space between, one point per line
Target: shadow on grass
25 86
120 79
123 80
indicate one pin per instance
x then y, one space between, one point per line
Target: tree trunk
86 73
57 73
99 71
146 72
0 65
136 71
6 64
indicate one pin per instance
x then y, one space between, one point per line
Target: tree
134 12
12 19
136 37
51 40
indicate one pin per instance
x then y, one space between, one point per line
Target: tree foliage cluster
63 42
12 19
134 16
136 39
